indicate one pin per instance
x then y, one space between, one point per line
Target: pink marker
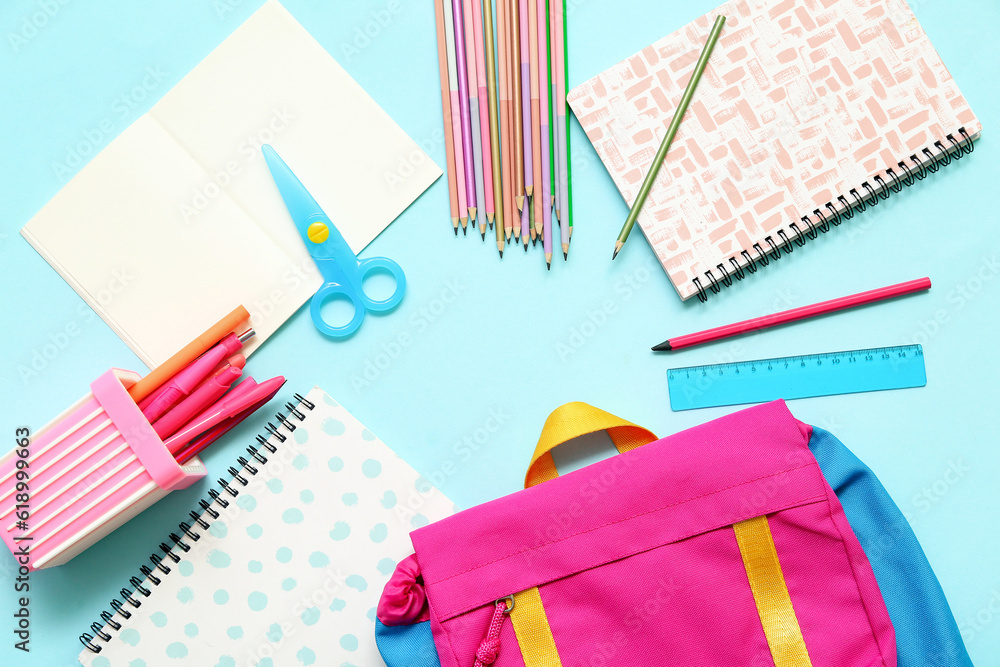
208 392
186 380
198 444
219 412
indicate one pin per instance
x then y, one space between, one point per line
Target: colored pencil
569 152
449 140
463 101
472 68
526 225
527 152
485 139
543 113
536 136
553 135
503 49
515 54
511 181
456 116
562 164
491 95
795 314
675 123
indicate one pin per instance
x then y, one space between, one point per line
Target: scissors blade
299 202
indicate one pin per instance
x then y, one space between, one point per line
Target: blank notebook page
183 202
801 102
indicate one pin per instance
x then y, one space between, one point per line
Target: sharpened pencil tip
484 236
565 256
465 231
663 347
501 254
456 231
614 255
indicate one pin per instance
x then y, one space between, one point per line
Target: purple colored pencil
463 101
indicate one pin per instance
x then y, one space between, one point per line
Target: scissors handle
327 292
372 264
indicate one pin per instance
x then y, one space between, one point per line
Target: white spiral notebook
286 572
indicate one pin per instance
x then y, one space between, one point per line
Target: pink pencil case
89 471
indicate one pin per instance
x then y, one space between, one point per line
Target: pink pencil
813 310
463 101
536 143
456 116
484 110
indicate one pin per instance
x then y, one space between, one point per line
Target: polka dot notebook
289 570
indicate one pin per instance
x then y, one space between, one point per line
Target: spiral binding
188 532
829 215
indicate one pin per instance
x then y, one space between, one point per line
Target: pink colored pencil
536 139
543 114
795 314
456 116
484 111
463 102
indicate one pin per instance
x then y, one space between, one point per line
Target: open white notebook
178 220
287 572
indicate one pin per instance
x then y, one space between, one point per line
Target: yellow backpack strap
572 420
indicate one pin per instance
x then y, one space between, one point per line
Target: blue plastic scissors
340 267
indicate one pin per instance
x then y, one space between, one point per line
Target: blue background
514 342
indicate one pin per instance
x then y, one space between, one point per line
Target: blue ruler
810 375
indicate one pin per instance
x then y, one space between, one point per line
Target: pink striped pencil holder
88 471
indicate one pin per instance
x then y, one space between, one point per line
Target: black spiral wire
828 216
186 532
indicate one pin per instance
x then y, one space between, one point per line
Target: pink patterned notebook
808 112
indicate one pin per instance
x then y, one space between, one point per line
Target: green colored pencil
675 123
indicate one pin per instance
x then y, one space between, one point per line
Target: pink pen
219 412
199 443
206 393
186 380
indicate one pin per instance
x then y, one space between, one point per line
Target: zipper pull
489 649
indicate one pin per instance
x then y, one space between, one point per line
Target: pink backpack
720 545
